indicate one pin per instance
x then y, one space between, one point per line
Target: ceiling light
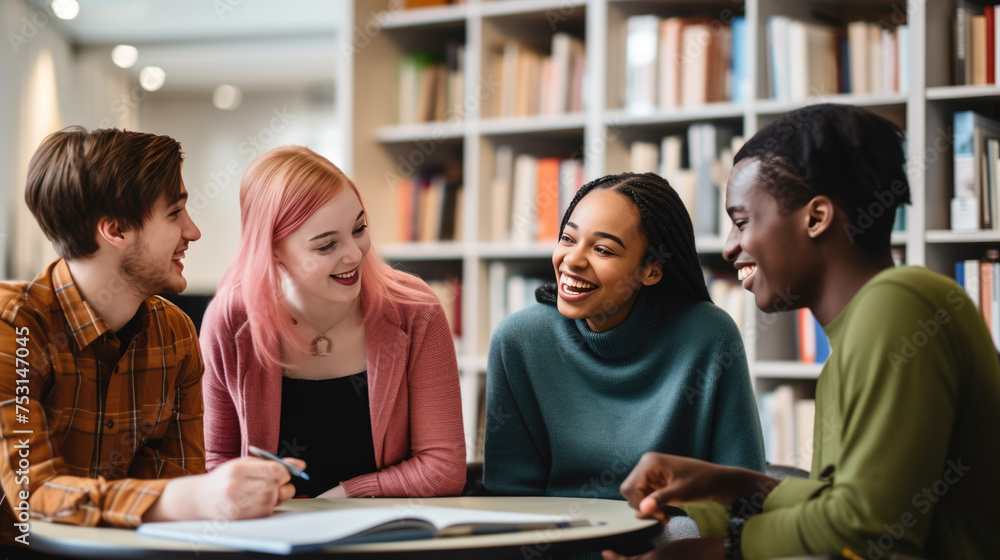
65 9
151 78
227 97
124 56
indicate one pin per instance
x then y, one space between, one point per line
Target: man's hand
243 488
684 549
660 480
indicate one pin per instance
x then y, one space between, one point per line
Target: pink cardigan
413 393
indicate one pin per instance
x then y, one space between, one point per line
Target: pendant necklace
321 345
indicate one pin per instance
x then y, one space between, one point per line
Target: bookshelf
601 134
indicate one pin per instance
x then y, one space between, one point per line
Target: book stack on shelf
808 59
976 204
787 421
625 108
728 293
449 292
431 87
529 195
429 206
976 48
510 292
676 61
981 280
812 342
697 169
417 4
533 82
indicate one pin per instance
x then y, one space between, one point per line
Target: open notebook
287 533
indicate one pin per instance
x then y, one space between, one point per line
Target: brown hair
77 177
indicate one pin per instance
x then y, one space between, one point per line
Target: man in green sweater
905 458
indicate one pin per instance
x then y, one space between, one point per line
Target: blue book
960 273
741 78
822 343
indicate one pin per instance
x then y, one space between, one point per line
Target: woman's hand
334 493
684 549
660 480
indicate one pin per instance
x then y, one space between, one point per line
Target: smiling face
152 264
767 244
599 261
324 257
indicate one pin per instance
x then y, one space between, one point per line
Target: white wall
46 85
218 146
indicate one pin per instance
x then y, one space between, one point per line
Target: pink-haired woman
315 348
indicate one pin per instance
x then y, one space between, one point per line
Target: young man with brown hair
100 379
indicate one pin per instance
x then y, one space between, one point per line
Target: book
813 344
500 192
547 200
640 63
741 87
971 205
523 210
289 533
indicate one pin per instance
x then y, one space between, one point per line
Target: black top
327 424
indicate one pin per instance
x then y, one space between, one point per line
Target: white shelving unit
604 130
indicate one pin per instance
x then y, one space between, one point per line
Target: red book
404 209
547 199
990 14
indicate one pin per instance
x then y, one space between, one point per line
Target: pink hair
280 190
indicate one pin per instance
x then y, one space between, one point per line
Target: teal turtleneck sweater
570 411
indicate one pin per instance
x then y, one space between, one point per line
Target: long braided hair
664 221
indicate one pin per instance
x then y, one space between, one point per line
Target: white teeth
348 275
745 272
574 283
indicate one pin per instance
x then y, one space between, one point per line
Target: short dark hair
77 177
847 153
664 221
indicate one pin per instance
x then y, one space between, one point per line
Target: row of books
529 195
976 51
416 4
429 206
431 88
728 293
811 344
810 59
509 291
976 202
981 279
697 165
678 61
532 82
787 418
449 291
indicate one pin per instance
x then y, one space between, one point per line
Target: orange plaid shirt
93 458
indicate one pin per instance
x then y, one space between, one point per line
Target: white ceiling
253 44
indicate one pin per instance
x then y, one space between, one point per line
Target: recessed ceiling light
151 78
65 9
227 97
124 56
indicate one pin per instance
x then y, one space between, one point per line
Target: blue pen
258 452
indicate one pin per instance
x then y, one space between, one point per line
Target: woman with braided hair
624 354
